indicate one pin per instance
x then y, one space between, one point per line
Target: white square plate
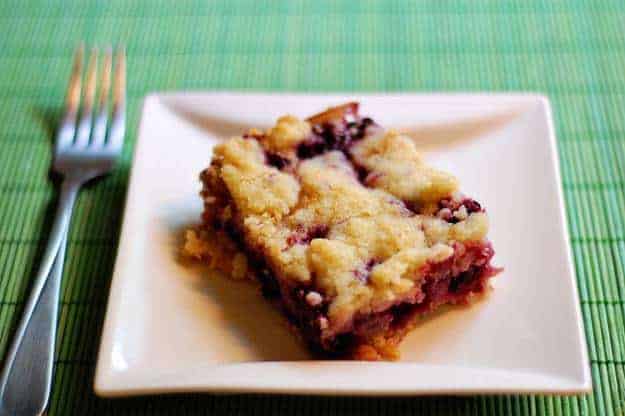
170 327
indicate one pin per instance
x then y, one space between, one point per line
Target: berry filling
454 210
303 236
337 134
363 273
276 160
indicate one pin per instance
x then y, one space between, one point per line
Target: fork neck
74 179
68 192
70 186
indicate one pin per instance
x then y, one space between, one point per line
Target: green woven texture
572 51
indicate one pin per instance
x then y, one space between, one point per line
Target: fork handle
27 373
27 387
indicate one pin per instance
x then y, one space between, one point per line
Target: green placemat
573 51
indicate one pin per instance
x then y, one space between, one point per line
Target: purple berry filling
277 161
472 205
448 208
305 236
362 274
336 135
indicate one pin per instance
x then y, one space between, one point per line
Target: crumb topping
356 218
395 165
288 132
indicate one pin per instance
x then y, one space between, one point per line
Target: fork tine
99 129
118 123
84 125
66 131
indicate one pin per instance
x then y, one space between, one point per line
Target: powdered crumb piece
218 251
461 213
314 298
444 214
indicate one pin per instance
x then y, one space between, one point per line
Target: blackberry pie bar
346 226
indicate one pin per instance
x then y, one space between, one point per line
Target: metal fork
87 146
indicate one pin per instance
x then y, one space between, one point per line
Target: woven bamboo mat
573 51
